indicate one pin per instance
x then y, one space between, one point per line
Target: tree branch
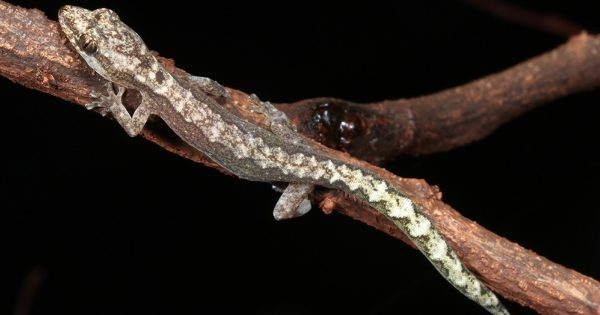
453 117
34 53
545 22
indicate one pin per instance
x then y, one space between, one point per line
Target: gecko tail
418 227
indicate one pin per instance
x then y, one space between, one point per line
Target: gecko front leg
209 86
112 102
204 85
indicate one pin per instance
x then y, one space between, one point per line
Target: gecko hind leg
293 202
112 103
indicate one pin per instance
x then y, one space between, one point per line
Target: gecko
118 54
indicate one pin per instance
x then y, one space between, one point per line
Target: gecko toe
104 111
93 105
120 91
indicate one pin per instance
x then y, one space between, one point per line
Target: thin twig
546 22
31 286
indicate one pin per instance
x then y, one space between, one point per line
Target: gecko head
109 46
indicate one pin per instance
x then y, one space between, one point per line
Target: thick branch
454 117
34 53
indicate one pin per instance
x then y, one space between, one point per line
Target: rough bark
454 117
35 54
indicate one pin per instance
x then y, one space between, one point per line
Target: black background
120 226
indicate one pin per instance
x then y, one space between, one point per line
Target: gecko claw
91 106
102 104
104 111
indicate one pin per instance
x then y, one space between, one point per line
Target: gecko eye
87 44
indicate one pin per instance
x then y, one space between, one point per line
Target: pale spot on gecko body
301 172
318 173
198 116
297 159
329 166
334 177
474 288
330 171
242 152
353 183
356 180
265 150
312 162
378 192
419 225
437 247
163 91
279 155
402 209
344 170
140 78
455 269
490 300
262 163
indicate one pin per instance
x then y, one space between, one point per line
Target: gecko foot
293 202
105 102
276 119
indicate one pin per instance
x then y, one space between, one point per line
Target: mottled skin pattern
118 54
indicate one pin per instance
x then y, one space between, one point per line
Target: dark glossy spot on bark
335 126
349 128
